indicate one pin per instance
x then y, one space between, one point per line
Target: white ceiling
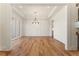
42 10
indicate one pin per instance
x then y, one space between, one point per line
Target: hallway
35 25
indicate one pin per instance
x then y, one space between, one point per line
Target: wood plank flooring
38 46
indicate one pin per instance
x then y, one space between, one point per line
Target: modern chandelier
35 21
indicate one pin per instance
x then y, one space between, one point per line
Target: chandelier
35 21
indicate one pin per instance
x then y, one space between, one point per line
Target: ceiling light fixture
35 21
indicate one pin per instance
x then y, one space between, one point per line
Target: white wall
60 25
72 16
41 29
64 29
10 26
5 16
0 28
16 26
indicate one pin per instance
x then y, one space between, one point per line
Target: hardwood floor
38 46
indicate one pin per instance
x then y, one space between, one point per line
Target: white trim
16 37
5 49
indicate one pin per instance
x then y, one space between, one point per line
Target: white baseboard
5 49
16 37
